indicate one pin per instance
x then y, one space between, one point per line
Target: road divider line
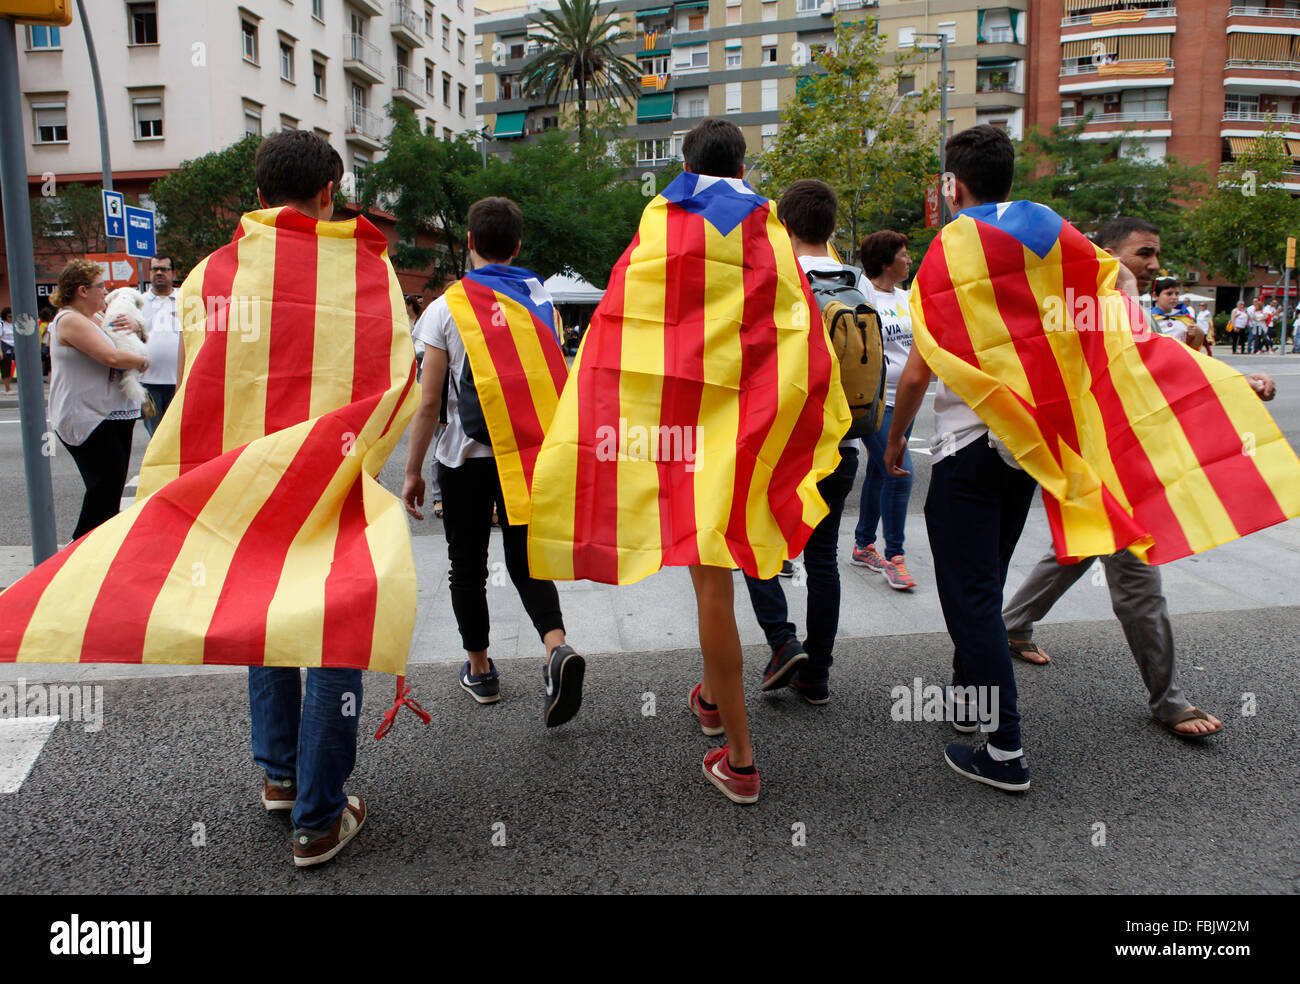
21 741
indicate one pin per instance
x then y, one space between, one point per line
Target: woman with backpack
886 264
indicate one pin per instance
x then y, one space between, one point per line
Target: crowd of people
975 510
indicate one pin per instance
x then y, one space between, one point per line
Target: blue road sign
139 229
114 215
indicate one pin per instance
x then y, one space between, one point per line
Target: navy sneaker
787 569
976 763
959 711
562 675
784 663
483 687
813 691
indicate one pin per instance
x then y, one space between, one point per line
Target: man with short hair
164 323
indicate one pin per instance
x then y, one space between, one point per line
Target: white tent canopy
1196 298
569 288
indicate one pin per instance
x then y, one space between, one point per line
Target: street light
943 114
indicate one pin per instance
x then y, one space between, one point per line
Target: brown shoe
279 794
308 851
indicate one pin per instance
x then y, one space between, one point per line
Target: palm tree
579 51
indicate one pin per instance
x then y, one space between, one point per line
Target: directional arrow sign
114 215
139 229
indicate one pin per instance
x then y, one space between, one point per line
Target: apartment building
183 78
735 58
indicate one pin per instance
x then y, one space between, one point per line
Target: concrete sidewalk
658 614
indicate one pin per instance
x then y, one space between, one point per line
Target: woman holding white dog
88 410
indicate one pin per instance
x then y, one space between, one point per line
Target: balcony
364 128
998 35
408 87
1117 119
1117 74
1118 17
1253 11
1261 121
406 26
362 58
376 7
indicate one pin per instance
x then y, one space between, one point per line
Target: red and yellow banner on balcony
1137 441
260 535
1117 17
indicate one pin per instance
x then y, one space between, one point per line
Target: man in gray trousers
1135 591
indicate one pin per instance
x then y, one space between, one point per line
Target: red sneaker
737 788
710 721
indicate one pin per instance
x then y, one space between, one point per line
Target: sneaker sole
865 566
711 732
902 587
818 701
277 806
482 700
567 698
1007 786
722 787
781 677
329 855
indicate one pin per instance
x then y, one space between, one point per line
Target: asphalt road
614 801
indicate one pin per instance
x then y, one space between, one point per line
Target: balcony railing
365 123
1143 117
357 48
1080 20
1015 87
1254 116
406 80
404 16
1262 66
1244 10
999 35
1091 69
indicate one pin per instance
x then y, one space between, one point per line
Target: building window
948 28
446 34
50 122
249 31
446 89
807 6
446 134
143 19
428 21
318 10
769 136
318 78
906 37
733 12
460 99
769 55
252 120
360 162
286 61
733 57
733 97
428 80
1240 104
693 57
769 10
508 86
906 84
323 134
658 65
288 122
769 95
696 21
656 151
41 38
148 119
460 46
693 106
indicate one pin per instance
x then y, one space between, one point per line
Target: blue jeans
311 739
884 496
819 558
974 513
162 394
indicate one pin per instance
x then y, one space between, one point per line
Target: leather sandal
1018 650
1188 714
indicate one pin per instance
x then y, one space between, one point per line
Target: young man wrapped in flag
704 408
493 337
1047 373
261 536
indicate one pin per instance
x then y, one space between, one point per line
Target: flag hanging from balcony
651 40
1137 440
702 410
507 322
649 81
260 535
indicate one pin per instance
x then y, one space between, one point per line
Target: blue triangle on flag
1035 226
719 203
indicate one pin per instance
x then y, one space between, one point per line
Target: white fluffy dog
125 304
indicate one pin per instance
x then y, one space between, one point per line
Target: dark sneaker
314 847
961 713
783 664
977 764
483 687
737 788
813 691
562 675
787 569
710 720
279 794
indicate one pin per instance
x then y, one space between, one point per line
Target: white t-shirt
1166 324
826 265
1240 318
1203 321
7 332
164 338
437 330
896 326
1258 316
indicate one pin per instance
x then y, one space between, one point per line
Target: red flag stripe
351 588
289 369
23 596
202 435
943 315
371 362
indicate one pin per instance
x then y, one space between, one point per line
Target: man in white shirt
164 323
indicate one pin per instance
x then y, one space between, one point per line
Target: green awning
653 52
509 125
656 107
691 4
654 12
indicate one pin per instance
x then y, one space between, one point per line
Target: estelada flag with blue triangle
1136 440
508 323
704 406
260 535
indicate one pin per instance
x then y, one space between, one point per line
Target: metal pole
22 293
943 125
1286 303
105 160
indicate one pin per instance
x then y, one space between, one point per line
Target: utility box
55 12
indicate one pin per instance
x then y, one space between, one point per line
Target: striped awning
1240 145
1088 48
1259 47
1076 6
1143 47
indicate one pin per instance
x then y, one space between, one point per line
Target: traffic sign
139 228
114 215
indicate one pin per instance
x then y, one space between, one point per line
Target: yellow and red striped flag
260 536
1137 440
507 322
704 406
649 81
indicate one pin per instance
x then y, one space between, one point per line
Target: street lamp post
943 117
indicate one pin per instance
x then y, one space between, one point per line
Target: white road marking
133 481
21 740
127 502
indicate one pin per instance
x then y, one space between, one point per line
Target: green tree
428 185
580 53
851 126
1245 217
199 204
70 222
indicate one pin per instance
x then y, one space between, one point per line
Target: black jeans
820 563
102 459
468 495
975 512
